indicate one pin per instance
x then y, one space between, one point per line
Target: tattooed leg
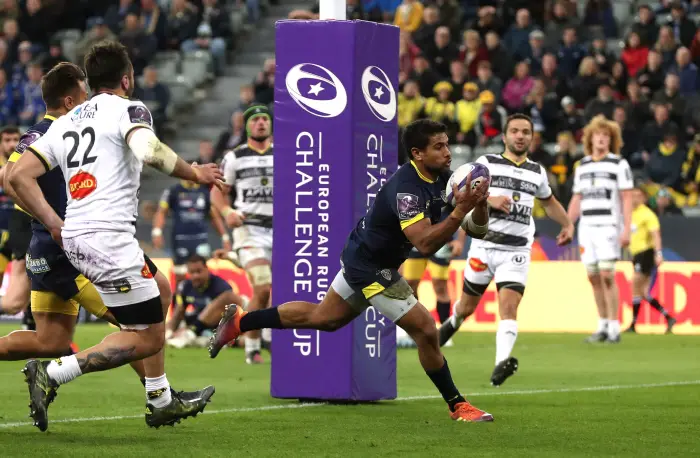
101 361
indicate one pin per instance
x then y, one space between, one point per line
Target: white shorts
252 242
599 244
114 263
506 267
393 302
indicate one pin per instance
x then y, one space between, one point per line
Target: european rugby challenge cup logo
379 93
316 90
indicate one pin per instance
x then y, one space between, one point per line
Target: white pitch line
493 392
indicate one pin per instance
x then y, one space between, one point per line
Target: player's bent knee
473 289
260 275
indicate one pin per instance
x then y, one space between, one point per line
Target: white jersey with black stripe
599 182
522 183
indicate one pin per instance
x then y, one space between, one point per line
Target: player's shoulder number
84 140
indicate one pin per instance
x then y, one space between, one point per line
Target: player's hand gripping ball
479 174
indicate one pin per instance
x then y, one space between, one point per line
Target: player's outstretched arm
23 179
574 211
556 212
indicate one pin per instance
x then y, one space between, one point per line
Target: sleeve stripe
412 221
14 157
140 126
551 194
41 157
164 205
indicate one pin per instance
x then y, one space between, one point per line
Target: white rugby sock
252 344
64 369
505 339
158 391
613 328
602 325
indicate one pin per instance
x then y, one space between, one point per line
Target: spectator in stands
636 106
543 108
517 88
439 108
630 138
116 14
635 54
683 28
153 21
618 80
500 58
10 10
265 83
666 45
450 15
472 51
246 97
13 37
645 26
695 48
690 173
491 120
424 75
425 34
687 71
140 44
410 103
486 80
355 10
5 63
537 152
670 96
603 103
217 16
663 204
230 138
518 35
409 15
7 101
36 22
54 56
665 163
655 130
467 113
407 52
19 69
441 52
550 76
536 53
599 13
206 152
585 85
182 24
694 6
569 118
487 21
651 77
156 96
98 32
603 58
560 21
458 76
204 40
34 106
570 54
562 165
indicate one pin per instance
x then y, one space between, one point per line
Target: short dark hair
417 134
9 130
105 65
515 116
60 82
195 258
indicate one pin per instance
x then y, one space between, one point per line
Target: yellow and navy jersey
52 184
644 223
378 240
189 205
196 299
6 204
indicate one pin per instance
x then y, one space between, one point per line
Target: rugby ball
479 174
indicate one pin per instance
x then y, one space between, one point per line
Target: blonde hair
601 123
585 64
568 136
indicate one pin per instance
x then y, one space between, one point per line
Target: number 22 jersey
102 174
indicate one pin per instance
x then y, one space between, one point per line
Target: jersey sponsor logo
37 265
139 114
146 272
27 139
477 265
519 259
84 112
379 93
596 193
407 205
121 285
81 185
316 90
513 184
519 213
259 194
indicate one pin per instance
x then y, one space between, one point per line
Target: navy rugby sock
261 319
442 378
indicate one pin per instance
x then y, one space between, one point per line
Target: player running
100 147
9 137
645 248
602 198
504 253
407 212
248 171
189 205
200 301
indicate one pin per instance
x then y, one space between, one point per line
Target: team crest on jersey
519 259
477 265
27 139
139 115
407 205
386 273
264 181
516 196
81 185
443 196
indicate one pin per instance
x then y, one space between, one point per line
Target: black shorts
48 267
20 228
644 262
184 249
146 312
